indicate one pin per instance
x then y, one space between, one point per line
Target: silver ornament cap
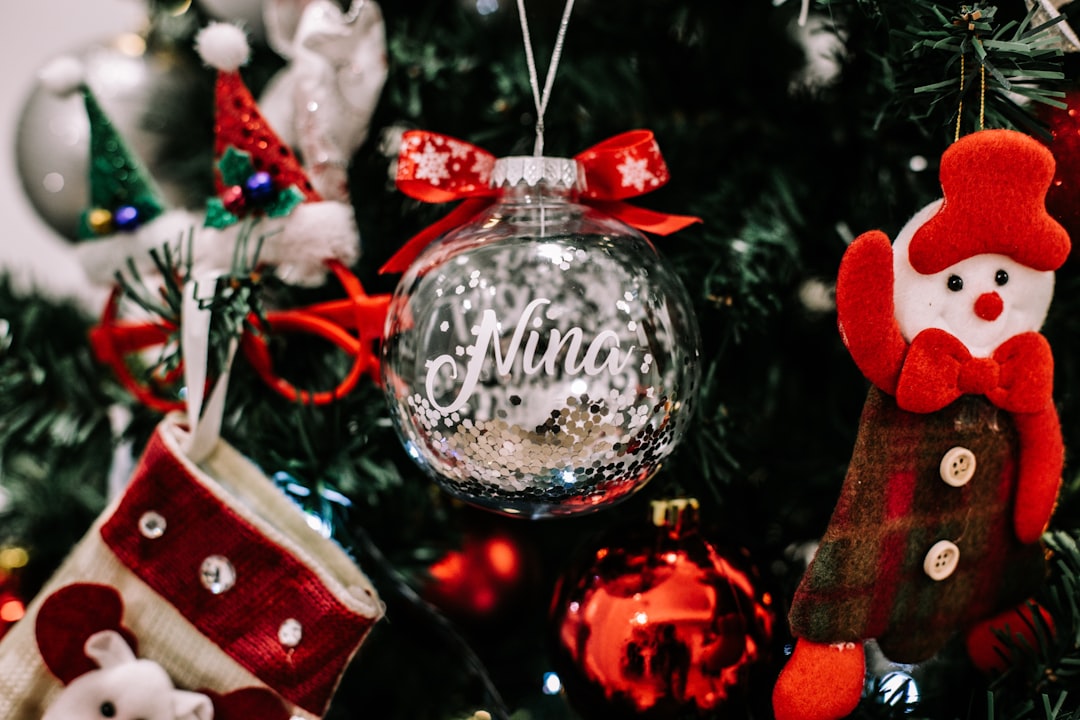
531 170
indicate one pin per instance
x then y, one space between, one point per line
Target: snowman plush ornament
958 459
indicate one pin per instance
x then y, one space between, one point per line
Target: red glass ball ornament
480 580
660 624
1063 197
12 606
12 609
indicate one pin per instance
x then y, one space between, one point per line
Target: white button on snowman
958 466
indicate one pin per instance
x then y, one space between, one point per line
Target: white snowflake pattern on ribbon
483 166
431 164
635 173
458 150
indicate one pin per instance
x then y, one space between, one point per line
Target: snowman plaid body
868 577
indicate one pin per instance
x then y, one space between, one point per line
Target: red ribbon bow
437 168
938 369
112 340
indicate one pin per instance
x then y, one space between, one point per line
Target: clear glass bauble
541 360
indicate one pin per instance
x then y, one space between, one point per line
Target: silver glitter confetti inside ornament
542 359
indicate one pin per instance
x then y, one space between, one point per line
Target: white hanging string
205 414
541 100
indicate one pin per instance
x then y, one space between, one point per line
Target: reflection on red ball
480 580
659 626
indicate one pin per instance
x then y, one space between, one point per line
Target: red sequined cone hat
245 145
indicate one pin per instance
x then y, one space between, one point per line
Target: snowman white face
982 300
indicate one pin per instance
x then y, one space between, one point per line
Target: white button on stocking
957 466
290 633
152 525
942 560
217 574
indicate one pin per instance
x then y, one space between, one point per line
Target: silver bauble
53 133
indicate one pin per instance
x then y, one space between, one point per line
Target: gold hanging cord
970 18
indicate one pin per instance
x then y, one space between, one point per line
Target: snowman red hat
995 184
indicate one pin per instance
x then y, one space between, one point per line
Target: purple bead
259 188
126 218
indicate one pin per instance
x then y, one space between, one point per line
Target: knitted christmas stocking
201 589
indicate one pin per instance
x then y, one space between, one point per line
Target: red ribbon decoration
438 168
938 369
112 340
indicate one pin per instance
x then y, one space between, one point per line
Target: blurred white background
31 34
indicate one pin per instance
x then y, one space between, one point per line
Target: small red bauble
1063 197
233 199
12 606
480 580
660 624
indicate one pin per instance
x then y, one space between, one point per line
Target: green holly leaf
217 216
285 202
235 166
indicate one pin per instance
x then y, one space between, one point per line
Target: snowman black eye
1001 277
956 283
107 709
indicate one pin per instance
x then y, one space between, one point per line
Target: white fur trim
223 46
63 76
101 258
313 233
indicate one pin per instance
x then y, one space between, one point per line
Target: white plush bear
125 688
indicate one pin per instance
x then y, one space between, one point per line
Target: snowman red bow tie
938 369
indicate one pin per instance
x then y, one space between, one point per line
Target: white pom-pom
63 76
223 46
313 233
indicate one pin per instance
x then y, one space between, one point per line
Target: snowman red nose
988 306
